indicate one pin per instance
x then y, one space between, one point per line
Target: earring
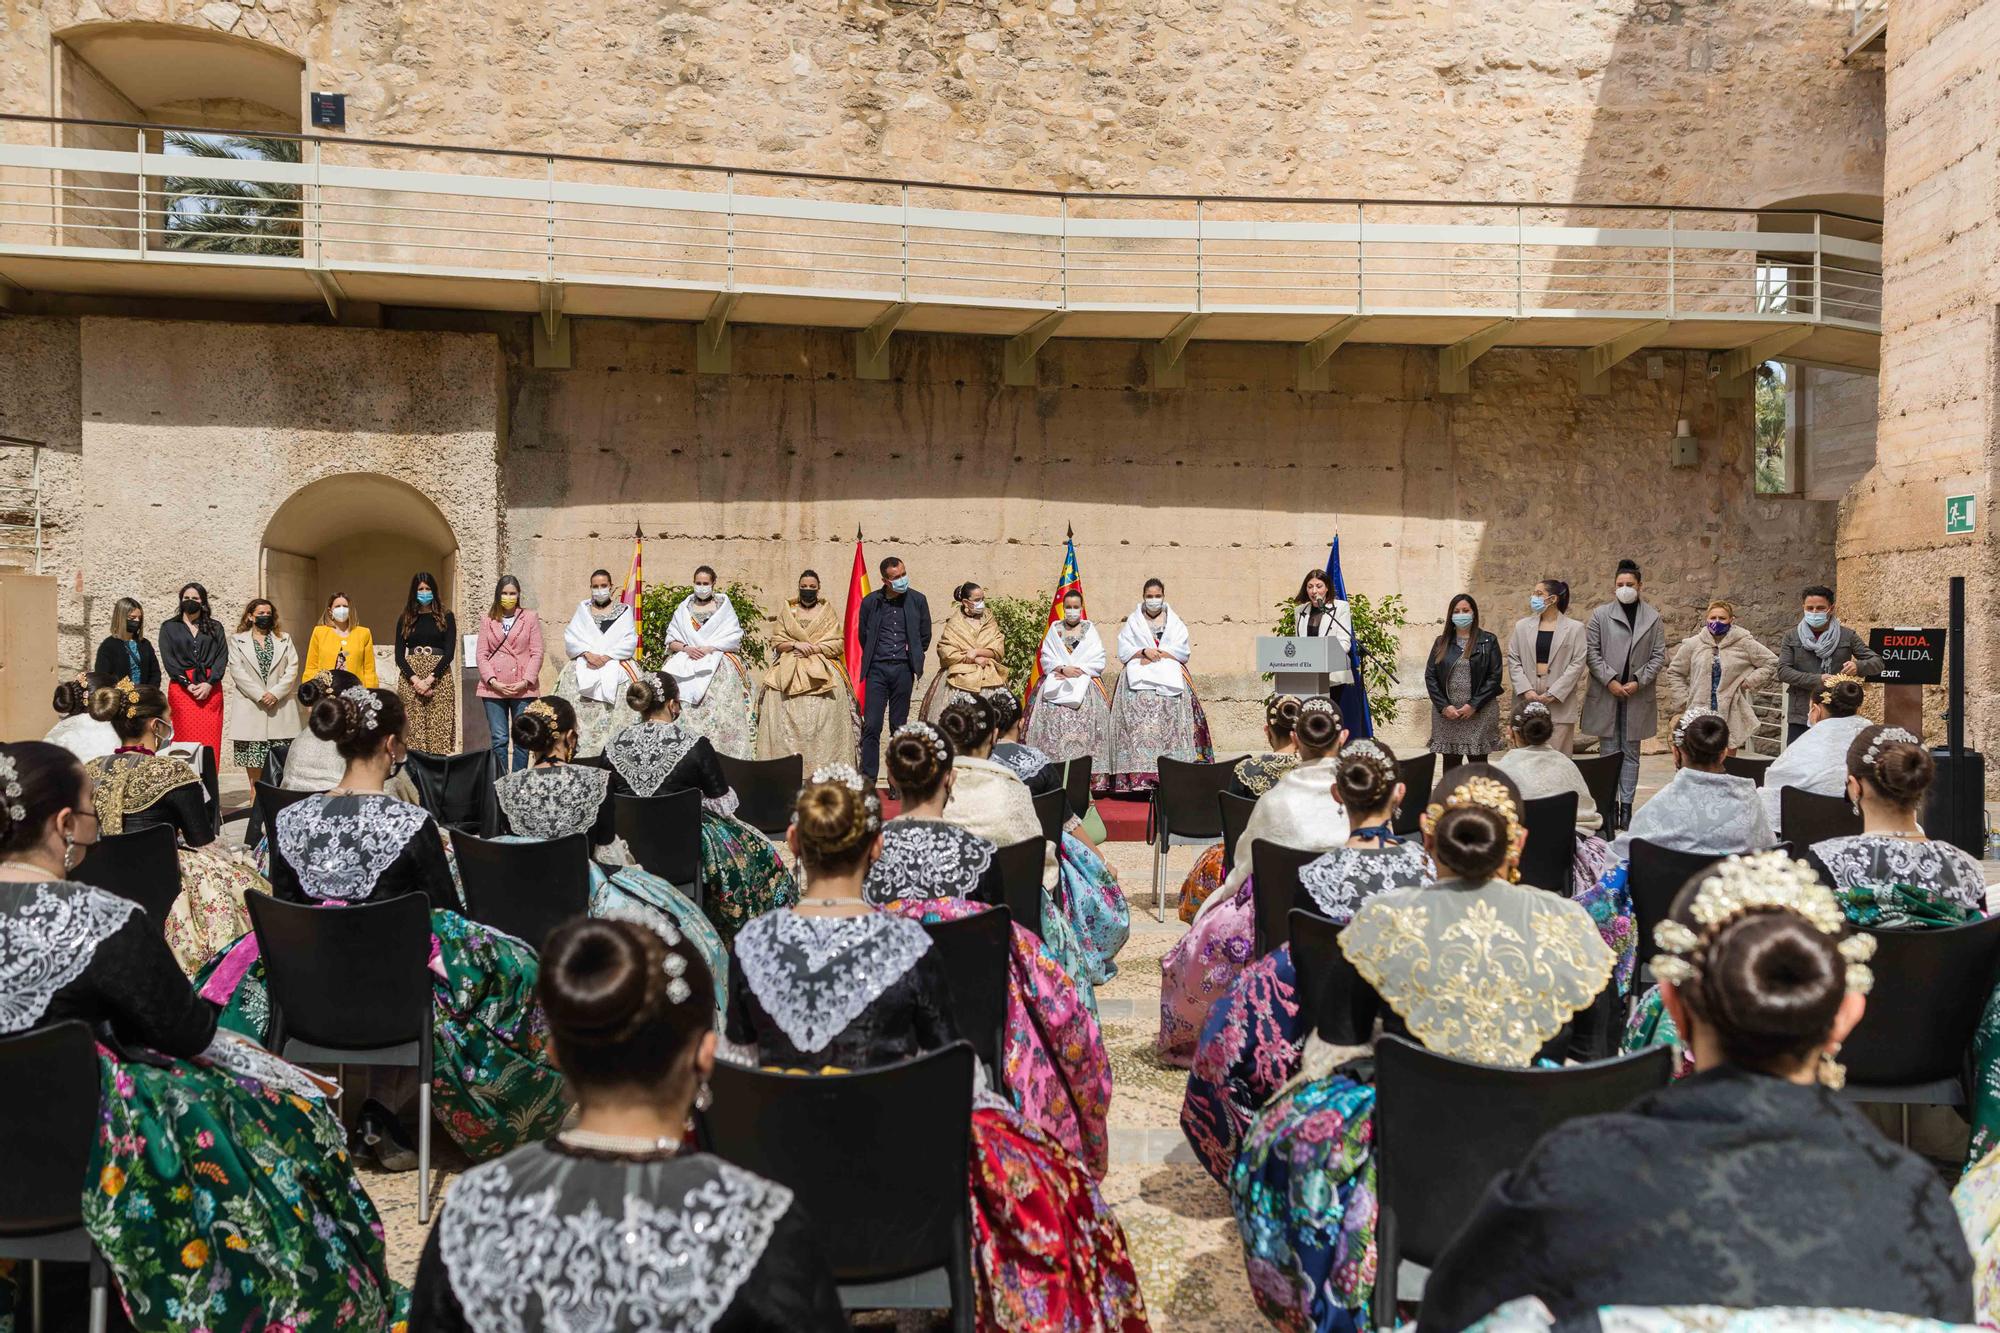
69 853
703 1098
1831 1073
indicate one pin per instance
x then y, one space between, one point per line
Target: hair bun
1365 777
651 691
1318 725
1843 698
334 718
967 723
918 756
107 703
598 984
1471 841
1006 708
1771 983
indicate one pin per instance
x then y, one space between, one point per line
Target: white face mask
703 591
978 606
1071 617
339 614
1627 594
602 596
1155 604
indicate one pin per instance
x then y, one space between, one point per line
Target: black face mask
132 627
190 607
262 622
807 596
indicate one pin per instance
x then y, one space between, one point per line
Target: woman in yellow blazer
340 644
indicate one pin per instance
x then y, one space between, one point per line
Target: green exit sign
1957 514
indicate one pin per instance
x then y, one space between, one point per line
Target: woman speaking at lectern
1319 614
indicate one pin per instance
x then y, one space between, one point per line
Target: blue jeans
500 715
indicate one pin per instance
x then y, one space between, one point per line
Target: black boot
1624 815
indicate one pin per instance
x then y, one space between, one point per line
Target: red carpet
1124 816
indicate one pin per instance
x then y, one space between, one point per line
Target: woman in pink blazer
510 668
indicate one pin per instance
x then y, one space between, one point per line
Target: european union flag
1352 698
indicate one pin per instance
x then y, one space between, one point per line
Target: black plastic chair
1654 877
352 986
891 1204
1931 986
1052 809
1315 940
48 1134
1434 1160
766 789
1015 882
1183 814
1805 818
143 865
1418 774
975 951
458 790
1548 859
1274 887
1076 785
1600 779
1235 811
525 889
663 833
1744 766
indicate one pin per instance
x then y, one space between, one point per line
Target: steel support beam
329 291
551 329
1455 361
1593 364
1022 349
1169 369
1739 364
1315 355
711 336
871 344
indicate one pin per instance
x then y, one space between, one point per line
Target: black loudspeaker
1955 810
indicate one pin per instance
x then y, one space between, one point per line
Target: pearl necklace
29 866
618 1143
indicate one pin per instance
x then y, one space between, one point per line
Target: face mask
262 622
1153 605
1538 604
901 583
1462 619
979 606
807 596
703 591
339 614
1718 628
396 765
133 627
166 738
1071 617
425 597
1627 594
1816 619
190 607
602 596
508 601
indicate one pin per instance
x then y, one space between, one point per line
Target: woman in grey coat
1625 645
1545 661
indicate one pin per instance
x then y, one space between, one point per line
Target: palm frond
231 217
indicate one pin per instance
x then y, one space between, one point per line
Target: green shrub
1023 622
659 604
1375 626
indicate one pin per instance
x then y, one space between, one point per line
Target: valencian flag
857 588
635 581
1352 700
1069 581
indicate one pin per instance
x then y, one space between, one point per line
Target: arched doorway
362 534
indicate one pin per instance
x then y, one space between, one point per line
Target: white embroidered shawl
1298 812
1136 636
1069 691
1540 771
1700 812
620 643
721 633
1815 762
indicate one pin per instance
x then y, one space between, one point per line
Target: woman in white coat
263 678
1318 614
1545 661
601 641
1071 716
702 641
1154 708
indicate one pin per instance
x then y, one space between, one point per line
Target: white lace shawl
340 845
927 858
1872 859
553 801
814 976
1346 877
1815 762
1700 812
48 934
645 753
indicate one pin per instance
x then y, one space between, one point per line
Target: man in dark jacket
1815 651
895 635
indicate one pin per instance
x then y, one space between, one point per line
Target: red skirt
198 723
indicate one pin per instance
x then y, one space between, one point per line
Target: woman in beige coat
1550 670
263 677
1720 666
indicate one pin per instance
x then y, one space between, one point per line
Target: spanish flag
857 588
1067 582
635 581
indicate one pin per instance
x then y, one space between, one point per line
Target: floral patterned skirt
494 1084
724 712
742 876
1146 725
596 721
209 914
821 728
1073 733
1058 1074
1200 968
1207 876
223 1198
1048 1253
1250 1047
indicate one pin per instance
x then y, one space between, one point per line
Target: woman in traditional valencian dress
807 704
218 1175
702 641
601 641
1253 776
551 1232
137 787
1070 717
971 653
1299 811
833 983
1817 761
1252 1040
924 855
1041 773
1302 1185
741 873
1154 709
494 1084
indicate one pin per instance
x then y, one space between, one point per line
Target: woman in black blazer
127 653
1463 679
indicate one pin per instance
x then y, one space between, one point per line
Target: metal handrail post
729 234
1673 250
906 244
1819 273
1199 217
550 241
140 199
1520 283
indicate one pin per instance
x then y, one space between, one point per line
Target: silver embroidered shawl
1346 877
927 858
1700 812
340 845
644 754
553 801
814 976
1869 859
48 935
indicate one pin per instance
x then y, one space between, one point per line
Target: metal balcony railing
402 216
